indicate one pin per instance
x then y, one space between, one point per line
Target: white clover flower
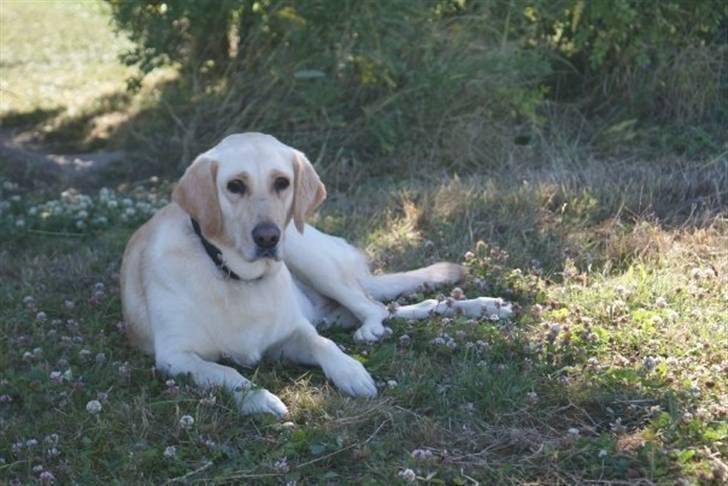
170 452
20 223
392 383
186 422
93 407
602 453
47 477
56 376
457 293
407 475
660 302
405 340
30 443
83 214
574 431
421 454
649 363
532 397
52 439
15 198
127 202
112 204
281 465
80 224
32 211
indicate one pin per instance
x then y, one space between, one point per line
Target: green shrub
457 83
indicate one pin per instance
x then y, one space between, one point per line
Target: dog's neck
228 260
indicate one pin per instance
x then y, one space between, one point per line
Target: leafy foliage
425 76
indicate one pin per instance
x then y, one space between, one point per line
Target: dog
230 270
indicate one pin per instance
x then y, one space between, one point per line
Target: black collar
214 253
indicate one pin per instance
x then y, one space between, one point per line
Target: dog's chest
252 318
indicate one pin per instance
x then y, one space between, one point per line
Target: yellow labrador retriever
221 273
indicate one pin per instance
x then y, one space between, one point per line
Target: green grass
64 57
614 369
615 372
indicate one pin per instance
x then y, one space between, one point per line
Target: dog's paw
352 378
444 273
263 401
485 306
370 332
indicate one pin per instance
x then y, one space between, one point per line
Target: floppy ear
196 193
309 191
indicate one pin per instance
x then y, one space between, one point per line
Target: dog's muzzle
266 237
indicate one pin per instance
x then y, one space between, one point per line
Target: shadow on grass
497 409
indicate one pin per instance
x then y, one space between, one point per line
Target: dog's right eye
236 186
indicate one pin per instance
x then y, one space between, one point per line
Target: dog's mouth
271 253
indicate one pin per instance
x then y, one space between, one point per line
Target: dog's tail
391 285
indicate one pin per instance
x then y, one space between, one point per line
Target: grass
613 371
63 60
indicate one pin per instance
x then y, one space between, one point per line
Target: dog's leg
481 306
391 285
206 373
307 347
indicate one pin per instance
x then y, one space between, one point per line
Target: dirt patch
24 158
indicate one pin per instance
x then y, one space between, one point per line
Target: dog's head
246 190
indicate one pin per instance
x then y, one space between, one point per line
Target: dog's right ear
196 193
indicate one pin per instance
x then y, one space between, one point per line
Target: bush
454 82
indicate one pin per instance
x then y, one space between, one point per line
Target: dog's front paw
370 332
352 378
263 401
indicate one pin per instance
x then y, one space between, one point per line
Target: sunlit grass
614 369
57 56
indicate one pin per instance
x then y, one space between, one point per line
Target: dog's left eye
281 183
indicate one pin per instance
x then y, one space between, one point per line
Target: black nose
266 235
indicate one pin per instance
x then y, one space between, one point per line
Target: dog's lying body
274 286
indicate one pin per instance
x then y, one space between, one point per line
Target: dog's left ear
309 191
